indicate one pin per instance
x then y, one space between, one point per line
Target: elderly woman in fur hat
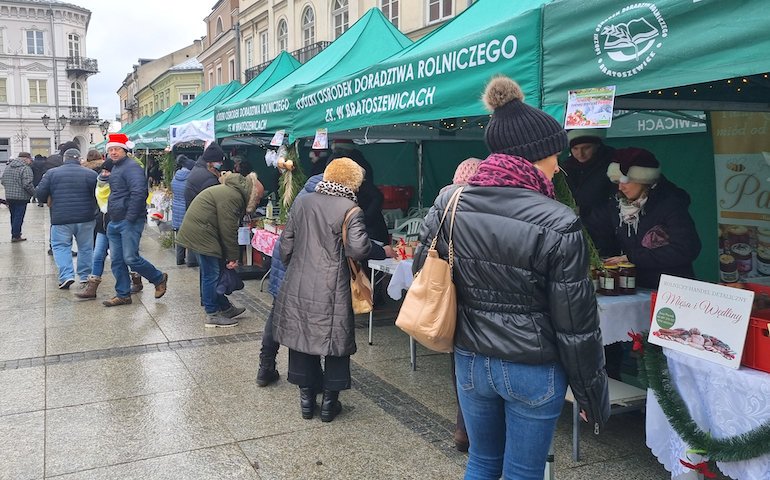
313 312
210 228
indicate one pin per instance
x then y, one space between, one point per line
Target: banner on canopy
191 131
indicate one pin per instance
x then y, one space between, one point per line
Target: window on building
390 10
3 94
283 36
264 47
219 26
34 42
439 10
231 65
308 26
339 17
2 44
76 94
74 45
186 98
211 80
219 75
249 52
40 146
38 93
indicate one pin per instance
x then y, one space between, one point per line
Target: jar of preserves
627 278
608 280
728 269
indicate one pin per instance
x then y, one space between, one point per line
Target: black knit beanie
516 128
213 153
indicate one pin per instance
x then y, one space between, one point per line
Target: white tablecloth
722 401
618 315
401 274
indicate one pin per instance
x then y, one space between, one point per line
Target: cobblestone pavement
145 391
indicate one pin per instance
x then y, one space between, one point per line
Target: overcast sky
122 31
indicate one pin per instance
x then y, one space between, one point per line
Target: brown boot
160 287
90 289
116 301
136 282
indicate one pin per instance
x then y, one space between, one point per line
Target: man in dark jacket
586 169
17 180
39 168
73 206
205 173
127 208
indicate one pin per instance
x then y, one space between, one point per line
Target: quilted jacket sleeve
575 318
357 245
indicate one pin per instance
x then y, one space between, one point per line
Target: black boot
330 406
267 374
180 254
307 402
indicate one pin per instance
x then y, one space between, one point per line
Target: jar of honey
627 278
608 280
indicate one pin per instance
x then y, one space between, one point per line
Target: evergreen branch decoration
290 183
749 445
564 195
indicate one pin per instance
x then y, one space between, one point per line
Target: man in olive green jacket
210 228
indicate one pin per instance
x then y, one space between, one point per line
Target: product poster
701 319
742 167
321 140
277 139
590 108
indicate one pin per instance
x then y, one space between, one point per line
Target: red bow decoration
637 338
702 468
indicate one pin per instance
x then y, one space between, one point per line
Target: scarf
630 212
336 190
500 170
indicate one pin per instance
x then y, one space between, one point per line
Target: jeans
510 411
124 239
269 349
18 209
209 277
61 244
100 254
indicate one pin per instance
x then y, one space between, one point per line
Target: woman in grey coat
313 311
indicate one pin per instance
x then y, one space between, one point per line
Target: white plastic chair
407 229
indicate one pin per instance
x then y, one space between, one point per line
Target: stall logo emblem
628 40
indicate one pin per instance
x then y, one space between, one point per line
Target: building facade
147 71
305 27
180 83
44 70
221 56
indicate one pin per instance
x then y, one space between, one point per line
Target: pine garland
564 195
655 374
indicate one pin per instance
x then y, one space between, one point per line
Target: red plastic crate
395 196
756 350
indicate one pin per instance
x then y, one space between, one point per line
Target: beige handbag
429 312
360 287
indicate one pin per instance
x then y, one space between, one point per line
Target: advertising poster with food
742 166
701 319
590 108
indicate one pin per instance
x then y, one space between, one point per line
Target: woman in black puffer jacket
527 324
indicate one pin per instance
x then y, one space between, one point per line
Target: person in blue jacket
179 207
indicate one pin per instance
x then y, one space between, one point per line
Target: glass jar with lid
608 280
627 278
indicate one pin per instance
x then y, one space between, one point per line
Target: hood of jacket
240 183
181 174
17 163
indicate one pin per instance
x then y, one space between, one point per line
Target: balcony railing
254 71
82 65
84 115
306 53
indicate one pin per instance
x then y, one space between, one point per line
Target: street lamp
104 127
58 126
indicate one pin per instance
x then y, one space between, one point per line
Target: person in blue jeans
71 190
127 209
527 323
101 243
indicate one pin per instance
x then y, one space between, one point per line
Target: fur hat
516 128
71 154
213 153
119 140
634 165
465 170
586 135
346 172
